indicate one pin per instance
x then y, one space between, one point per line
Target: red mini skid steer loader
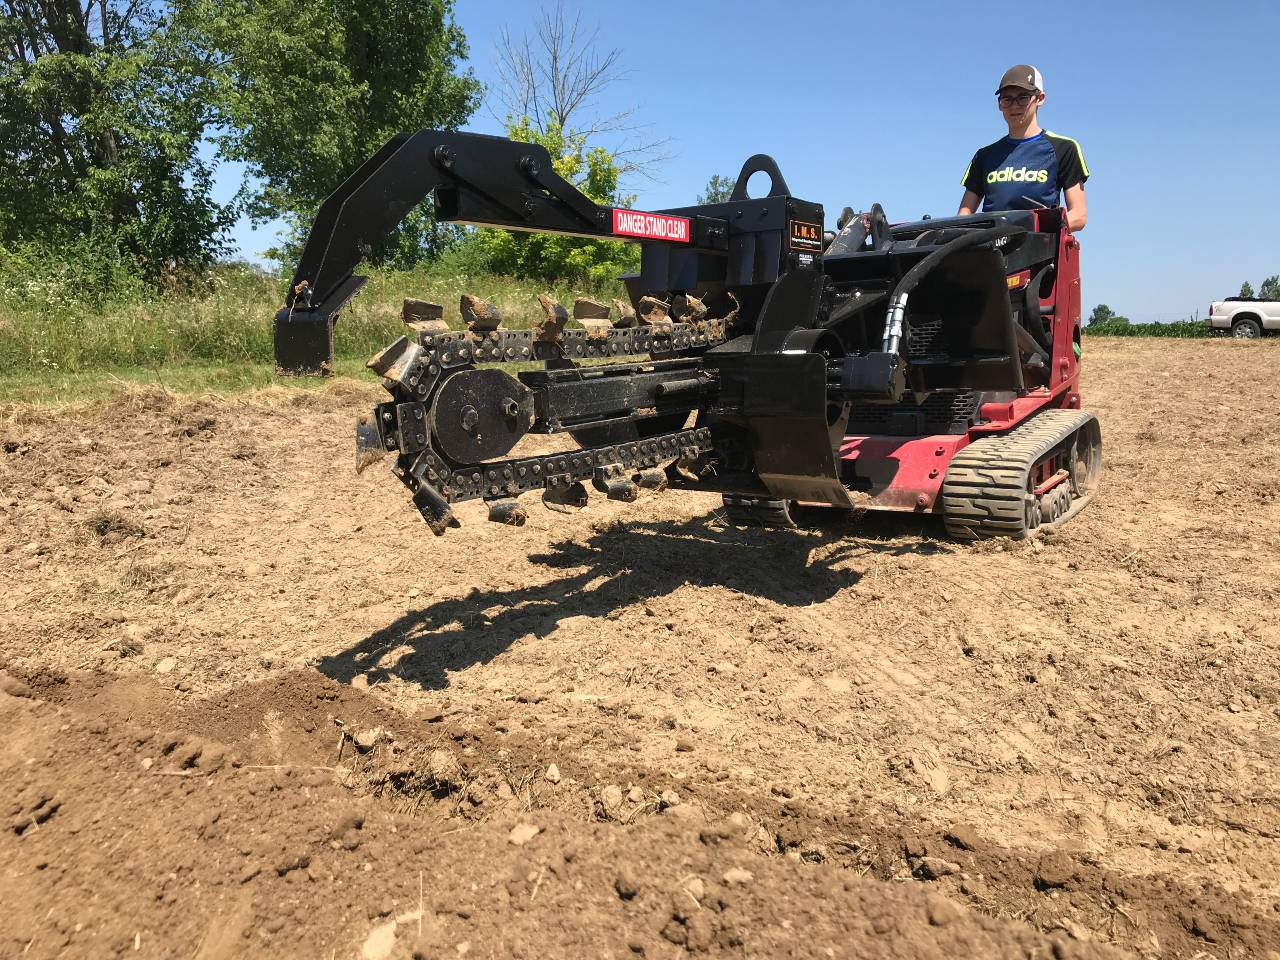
928 367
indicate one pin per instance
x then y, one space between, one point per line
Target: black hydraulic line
912 278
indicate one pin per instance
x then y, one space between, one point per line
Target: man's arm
973 183
1072 173
970 201
1076 214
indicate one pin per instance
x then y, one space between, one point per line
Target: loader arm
477 179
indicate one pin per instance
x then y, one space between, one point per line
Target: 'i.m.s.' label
805 236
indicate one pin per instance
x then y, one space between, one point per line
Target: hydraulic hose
898 300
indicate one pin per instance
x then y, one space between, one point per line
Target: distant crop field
1181 329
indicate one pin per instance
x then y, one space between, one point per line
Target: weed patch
110 527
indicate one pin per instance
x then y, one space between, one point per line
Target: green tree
548 85
103 106
1246 289
718 190
1101 314
554 77
1270 289
311 88
548 257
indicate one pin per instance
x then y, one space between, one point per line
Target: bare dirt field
251 707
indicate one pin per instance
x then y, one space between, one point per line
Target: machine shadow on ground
627 564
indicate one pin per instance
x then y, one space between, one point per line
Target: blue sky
1174 103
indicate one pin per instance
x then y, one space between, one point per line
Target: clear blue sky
1175 103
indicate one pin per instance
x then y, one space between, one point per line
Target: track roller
989 492
758 512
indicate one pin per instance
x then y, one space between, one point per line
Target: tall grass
79 311
53 319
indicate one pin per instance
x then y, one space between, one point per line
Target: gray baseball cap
1022 75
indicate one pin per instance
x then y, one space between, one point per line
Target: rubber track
985 491
757 512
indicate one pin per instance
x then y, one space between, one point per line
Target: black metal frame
769 386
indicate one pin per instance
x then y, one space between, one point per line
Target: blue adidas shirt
1022 174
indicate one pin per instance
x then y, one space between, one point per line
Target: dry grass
143 575
112 526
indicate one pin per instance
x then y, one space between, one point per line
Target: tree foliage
310 88
1269 289
110 112
548 257
718 190
549 85
103 105
1101 314
553 79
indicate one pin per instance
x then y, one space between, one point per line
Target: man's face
1018 105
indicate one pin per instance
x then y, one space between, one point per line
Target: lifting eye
764 164
759 185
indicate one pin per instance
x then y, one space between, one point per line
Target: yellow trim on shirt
1079 153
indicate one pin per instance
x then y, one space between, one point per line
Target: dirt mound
253 707
221 829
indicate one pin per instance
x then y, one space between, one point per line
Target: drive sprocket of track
987 493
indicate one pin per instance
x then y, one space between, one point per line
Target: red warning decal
650 226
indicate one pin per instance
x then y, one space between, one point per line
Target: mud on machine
928 367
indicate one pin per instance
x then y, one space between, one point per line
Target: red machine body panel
906 473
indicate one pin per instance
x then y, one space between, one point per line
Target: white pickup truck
1246 317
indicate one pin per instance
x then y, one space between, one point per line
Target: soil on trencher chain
250 706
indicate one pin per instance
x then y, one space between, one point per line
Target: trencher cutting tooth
397 361
652 478
507 510
423 316
654 312
626 314
552 327
686 308
596 329
479 314
369 444
614 485
584 308
565 498
435 510
594 317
